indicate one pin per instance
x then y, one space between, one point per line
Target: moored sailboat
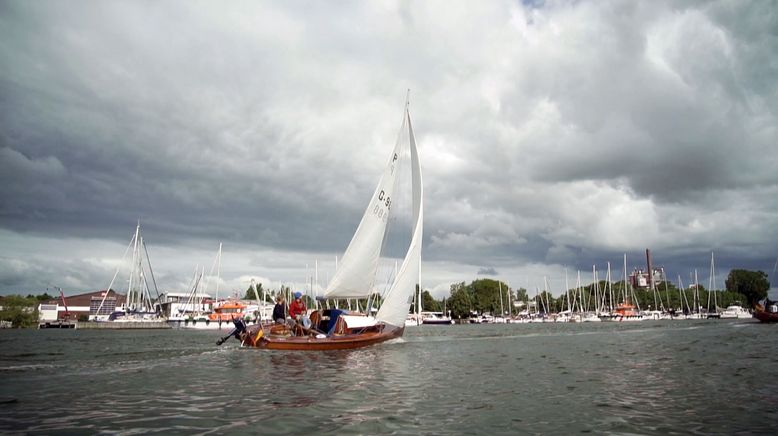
328 329
139 306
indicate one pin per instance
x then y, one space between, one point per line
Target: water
666 377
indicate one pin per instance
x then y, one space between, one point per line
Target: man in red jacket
298 306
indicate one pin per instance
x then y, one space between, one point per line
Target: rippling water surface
672 377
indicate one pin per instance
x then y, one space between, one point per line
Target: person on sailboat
297 312
297 308
279 310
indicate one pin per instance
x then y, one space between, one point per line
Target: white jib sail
398 299
355 276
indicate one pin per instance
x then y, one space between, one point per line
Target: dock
109 325
113 325
58 324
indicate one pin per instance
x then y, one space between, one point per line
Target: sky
553 136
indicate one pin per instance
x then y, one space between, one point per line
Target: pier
113 325
59 324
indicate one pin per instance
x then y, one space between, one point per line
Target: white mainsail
394 309
356 273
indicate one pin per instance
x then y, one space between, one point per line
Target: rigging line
147 304
190 301
107 291
148 262
207 280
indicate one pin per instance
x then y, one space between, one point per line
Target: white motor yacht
435 318
735 311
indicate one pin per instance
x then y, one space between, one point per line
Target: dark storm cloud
484 271
105 123
551 134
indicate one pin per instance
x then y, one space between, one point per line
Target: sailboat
715 314
414 319
331 329
196 309
139 305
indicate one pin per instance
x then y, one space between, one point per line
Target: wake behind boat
356 275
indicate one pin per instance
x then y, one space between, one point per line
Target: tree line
22 311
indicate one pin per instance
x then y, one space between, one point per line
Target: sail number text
383 200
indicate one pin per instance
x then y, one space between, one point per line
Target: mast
418 299
579 292
218 271
667 290
713 276
510 307
110 285
696 295
259 305
567 294
596 286
651 283
200 290
682 295
712 285
130 295
502 309
625 279
610 289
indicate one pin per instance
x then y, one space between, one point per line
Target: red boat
769 315
334 329
320 332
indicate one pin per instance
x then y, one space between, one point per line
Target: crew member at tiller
298 306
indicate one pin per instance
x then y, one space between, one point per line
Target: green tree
546 302
429 304
44 297
460 303
250 292
752 284
21 311
520 295
486 295
41 298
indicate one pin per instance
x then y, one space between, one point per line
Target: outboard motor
240 327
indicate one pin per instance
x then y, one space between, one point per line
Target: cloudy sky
553 135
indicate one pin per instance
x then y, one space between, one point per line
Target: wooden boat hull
764 316
348 341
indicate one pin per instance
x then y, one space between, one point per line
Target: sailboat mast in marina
138 304
355 276
712 290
